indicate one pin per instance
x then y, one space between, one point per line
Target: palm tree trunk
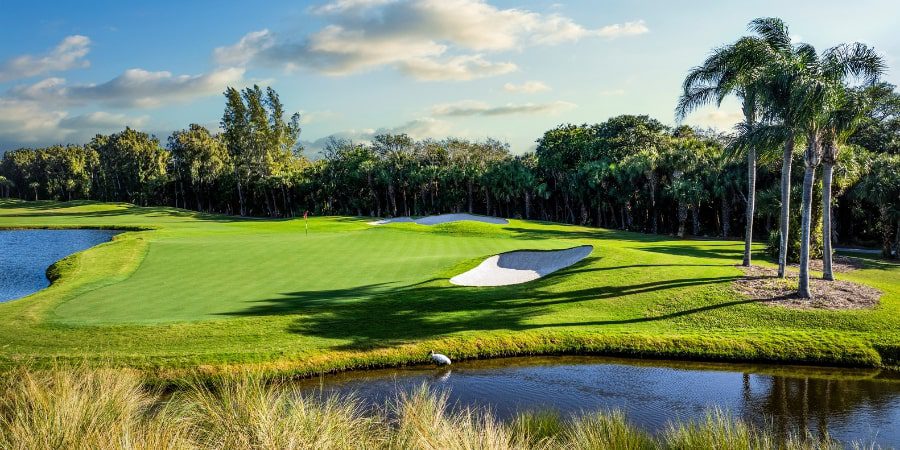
240 194
527 205
629 220
726 217
785 204
599 215
805 215
884 224
896 249
654 214
469 189
751 205
392 198
827 170
695 219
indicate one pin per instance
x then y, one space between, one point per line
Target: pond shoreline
21 272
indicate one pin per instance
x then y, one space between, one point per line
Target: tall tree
845 111
133 165
777 91
200 158
262 144
733 69
236 125
822 101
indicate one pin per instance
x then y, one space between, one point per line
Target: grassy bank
210 294
109 408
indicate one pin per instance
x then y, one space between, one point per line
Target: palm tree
820 99
776 90
840 124
846 113
731 69
739 69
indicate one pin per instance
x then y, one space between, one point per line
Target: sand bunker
443 218
520 266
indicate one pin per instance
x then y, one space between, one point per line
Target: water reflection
848 404
834 406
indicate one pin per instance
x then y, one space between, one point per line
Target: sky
354 68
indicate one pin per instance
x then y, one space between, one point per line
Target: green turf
214 290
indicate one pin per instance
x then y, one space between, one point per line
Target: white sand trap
443 218
520 266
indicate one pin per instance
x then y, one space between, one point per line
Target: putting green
196 290
233 271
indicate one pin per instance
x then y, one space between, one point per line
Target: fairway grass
216 293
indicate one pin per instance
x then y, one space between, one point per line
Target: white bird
439 359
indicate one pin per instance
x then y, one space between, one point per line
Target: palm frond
773 30
856 59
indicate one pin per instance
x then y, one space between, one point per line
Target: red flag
305 213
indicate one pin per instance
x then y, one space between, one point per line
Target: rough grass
88 409
216 294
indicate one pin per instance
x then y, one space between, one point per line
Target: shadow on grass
705 250
385 314
564 231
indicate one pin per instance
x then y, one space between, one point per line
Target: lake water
851 405
26 254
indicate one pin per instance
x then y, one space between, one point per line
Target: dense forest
628 172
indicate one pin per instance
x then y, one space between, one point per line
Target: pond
850 404
26 254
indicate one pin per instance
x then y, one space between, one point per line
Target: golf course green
185 290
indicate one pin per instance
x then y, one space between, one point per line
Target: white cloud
623 30
307 117
340 6
38 114
135 88
245 49
428 39
458 68
25 122
477 108
100 121
68 54
426 127
719 119
528 87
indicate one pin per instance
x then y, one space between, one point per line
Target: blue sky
431 68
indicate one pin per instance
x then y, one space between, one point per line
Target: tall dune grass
86 409
100 409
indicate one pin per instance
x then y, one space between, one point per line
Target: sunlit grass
217 294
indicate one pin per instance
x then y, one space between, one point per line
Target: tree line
628 172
